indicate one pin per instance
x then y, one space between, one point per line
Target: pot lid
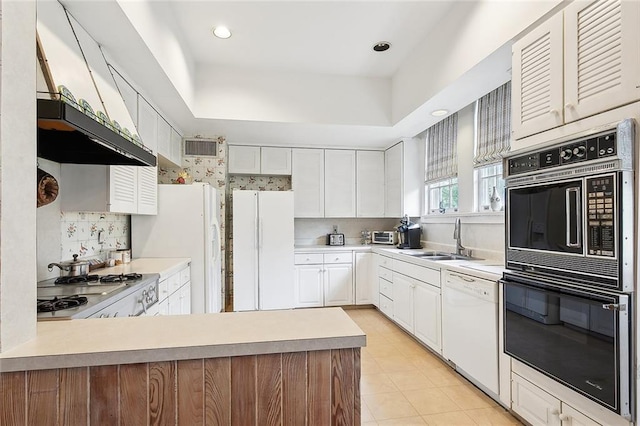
75 262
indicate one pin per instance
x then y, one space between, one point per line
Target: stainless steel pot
71 268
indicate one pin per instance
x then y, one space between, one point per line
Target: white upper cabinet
404 178
115 189
393 181
257 160
176 147
244 159
275 161
582 61
129 95
370 184
147 124
163 133
340 183
307 180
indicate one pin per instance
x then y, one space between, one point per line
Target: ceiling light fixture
381 46
439 112
221 32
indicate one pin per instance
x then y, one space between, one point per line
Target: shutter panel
535 85
122 189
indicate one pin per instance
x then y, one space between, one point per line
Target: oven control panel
588 149
601 216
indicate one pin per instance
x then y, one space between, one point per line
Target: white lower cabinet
541 408
324 279
403 301
427 316
365 279
174 295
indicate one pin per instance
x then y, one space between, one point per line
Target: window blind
493 126
442 153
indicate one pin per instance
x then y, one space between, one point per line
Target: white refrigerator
263 240
187 225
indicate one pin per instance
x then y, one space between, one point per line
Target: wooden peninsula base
272 386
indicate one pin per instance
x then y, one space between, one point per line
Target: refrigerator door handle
260 235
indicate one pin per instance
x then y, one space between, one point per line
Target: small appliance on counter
335 239
384 237
409 233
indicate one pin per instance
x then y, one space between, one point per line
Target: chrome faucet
460 249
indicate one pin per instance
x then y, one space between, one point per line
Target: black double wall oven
569 283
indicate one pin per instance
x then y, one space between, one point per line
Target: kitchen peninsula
263 367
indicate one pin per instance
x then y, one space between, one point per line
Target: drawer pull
469 280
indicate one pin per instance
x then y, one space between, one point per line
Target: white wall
457 44
17 173
236 94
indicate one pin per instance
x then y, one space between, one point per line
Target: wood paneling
190 394
294 388
269 389
217 391
304 388
319 388
243 390
103 395
74 396
162 393
134 403
42 407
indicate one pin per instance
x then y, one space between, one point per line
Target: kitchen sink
438 255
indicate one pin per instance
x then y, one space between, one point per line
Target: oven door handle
575 192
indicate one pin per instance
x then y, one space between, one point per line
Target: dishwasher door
470 328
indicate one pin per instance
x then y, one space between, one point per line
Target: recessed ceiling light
439 112
381 46
222 32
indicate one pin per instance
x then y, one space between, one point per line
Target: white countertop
487 269
65 344
325 248
152 265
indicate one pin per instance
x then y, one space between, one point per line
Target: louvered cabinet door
602 56
537 79
147 190
123 191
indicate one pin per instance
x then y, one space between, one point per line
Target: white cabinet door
393 181
537 99
309 285
602 56
176 147
164 138
147 190
147 124
338 285
370 184
123 189
244 159
185 299
339 183
275 161
428 315
572 417
175 305
364 279
533 404
403 288
307 180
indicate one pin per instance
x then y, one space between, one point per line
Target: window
442 196
441 171
487 178
492 137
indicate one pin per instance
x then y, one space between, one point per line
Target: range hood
98 127
67 135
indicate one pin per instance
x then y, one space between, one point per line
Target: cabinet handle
412 286
568 105
564 417
555 412
553 111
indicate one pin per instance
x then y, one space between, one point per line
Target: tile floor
405 384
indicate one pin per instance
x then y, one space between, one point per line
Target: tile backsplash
80 232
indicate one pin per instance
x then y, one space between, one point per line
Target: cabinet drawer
386 288
385 273
185 275
344 257
308 258
173 282
385 261
386 306
163 289
420 273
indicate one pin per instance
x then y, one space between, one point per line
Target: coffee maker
409 234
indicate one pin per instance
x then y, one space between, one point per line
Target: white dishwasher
470 328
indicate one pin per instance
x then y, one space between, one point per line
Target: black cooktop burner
120 278
60 303
77 279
